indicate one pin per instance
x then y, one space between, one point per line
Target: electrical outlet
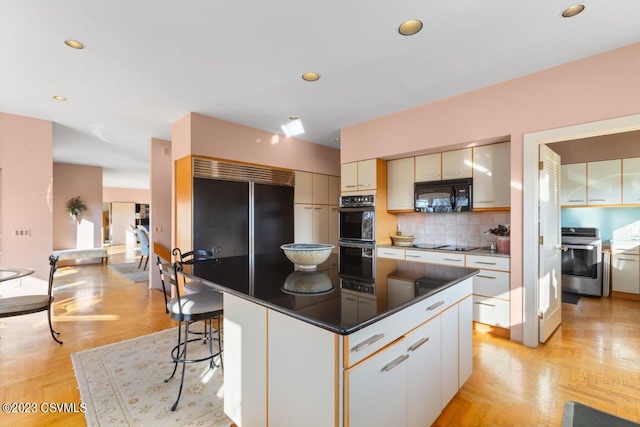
420 231
157 229
22 232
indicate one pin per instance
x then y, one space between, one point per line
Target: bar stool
205 306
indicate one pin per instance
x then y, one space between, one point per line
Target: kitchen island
318 348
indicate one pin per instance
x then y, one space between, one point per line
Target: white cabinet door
367 174
320 222
457 164
377 389
625 273
450 349
303 189
349 176
303 223
573 184
631 181
465 340
492 176
428 167
424 348
320 189
400 184
604 184
390 253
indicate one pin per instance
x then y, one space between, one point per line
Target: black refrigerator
243 218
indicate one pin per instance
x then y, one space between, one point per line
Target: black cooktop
318 297
444 247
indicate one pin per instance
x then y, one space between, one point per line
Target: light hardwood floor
594 357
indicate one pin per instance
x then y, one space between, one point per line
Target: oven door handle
354 210
584 247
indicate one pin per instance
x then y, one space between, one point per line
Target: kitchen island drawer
488 262
436 257
491 283
491 311
390 253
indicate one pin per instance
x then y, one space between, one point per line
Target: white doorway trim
530 195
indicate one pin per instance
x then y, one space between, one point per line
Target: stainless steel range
582 260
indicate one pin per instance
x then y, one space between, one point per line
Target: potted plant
75 207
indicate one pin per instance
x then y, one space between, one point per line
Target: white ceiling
147 63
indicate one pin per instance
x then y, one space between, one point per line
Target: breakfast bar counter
321 348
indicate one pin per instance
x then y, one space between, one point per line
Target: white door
549 268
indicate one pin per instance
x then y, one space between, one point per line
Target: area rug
570 297
123 384
131 271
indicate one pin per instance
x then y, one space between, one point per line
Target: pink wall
135 195
596 88
70 181
26 153
207 136
161 192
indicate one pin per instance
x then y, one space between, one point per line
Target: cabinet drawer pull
434 306
485 263
486 277
484 201
430 175
308 207
597 200
452 259
484 303
452 173
418 343
412 256
576 200
350 186
367 342
390 253
317 209
398 360
364 185
627 259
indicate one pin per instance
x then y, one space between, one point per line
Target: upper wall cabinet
631 181
604 184
428 167
400 185
573 184
491 176
359 176
303 190
457 164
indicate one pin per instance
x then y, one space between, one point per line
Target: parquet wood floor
594 357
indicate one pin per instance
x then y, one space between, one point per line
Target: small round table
10 273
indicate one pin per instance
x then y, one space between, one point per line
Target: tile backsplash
464 228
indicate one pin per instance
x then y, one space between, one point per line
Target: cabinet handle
367 342
576 200
317 209
412 256
627 259
434 306
484 303
398 360
452 173
430 175
486 277
389 253
484 201
597 200
349 186
364 185
308 207
418 343
334 209
452 259
485 263
406 204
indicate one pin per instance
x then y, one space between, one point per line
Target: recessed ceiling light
572 10
293 117
74 44
310 76
411 27
59 98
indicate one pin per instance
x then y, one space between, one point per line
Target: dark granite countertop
316 297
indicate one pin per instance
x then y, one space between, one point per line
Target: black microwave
452 195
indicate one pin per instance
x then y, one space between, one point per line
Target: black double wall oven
357 240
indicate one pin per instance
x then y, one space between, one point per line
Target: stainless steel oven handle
584 247
362 209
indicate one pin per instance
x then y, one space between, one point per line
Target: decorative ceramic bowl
307 255
303 282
